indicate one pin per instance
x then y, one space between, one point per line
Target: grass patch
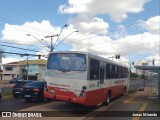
7 93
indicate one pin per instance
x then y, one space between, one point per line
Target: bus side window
119 72
116 72
111 72
126 72
107 71
94 69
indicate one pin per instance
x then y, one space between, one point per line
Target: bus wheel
125 89
108 98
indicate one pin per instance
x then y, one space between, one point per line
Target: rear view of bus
66 77
84 78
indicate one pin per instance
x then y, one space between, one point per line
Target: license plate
16 92
27 96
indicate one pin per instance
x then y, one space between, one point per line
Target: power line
76 42
22 54
127 26
18 48
18 44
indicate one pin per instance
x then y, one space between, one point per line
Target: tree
133 75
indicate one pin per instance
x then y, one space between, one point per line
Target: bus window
119 72
116 72
94 69
107 71
123 72
69 61
111 72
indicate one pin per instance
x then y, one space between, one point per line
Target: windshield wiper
64 70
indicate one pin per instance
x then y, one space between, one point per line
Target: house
10 71
32 69
27 69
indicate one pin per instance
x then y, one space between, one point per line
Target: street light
65 38
51 36
59 34
46 45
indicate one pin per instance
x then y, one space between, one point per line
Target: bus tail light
83 91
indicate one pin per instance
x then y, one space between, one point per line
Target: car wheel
43 99
16 96
28 99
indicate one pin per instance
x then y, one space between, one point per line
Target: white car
0 94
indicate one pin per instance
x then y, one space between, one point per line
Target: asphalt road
19 104
11 104
135 84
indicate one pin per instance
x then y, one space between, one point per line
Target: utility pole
1 55
27 66
51 36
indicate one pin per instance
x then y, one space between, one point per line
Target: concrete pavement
139 105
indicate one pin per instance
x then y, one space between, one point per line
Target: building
32 69
10 71
28 69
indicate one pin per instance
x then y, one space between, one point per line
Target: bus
84 78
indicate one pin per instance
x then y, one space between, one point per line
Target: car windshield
20 84
67 61
15 79
37 84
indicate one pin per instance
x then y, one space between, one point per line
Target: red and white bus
84 78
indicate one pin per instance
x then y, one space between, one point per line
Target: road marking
90 116
142 109
131 99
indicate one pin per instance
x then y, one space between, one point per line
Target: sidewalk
136 106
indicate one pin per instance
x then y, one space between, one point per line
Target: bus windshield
67 61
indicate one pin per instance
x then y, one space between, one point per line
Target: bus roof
93 56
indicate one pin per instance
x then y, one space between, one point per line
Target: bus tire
124 90
108 98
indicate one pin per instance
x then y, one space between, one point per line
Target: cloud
9 59
90 25
18 33
156 58
129 45
44 54
139 43
92 37
116 9
152 24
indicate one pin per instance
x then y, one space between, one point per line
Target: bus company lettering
92 85
61 85
119 81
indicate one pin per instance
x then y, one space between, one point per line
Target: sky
130 28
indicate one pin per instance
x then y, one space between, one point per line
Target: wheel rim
108 99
